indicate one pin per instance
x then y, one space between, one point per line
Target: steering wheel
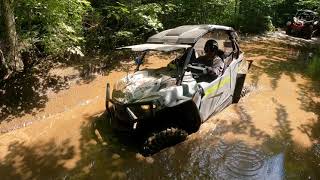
198 70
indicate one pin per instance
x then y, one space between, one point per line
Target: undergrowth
314 66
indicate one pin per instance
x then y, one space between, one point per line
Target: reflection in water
208 157
235 161
316 149
241 162
205 158
222 161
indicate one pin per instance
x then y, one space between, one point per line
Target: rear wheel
317 31
238 89
309 32
163 139
107 96
309 35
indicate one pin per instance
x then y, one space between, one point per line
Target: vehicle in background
305 24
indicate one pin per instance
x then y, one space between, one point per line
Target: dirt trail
280 116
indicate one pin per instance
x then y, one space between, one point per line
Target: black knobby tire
309 32
163 139
288 31
309 35
317 32
238 89
107 96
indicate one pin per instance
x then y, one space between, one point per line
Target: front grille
123 115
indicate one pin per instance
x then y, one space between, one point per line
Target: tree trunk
238 13
14 63
4 70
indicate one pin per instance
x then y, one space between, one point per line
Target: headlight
289 23
145 107
148 107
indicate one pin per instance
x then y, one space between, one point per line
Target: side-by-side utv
304 24
163 105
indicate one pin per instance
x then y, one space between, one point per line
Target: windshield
155 71
156 47
307 16
161 63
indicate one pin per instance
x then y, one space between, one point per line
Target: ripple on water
241 162
316 150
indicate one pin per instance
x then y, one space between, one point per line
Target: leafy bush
114 24
200 12
311 4
314 66
53 25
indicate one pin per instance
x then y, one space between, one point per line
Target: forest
33 30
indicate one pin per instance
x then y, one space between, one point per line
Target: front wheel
163 139
288 31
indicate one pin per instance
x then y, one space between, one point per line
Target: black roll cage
236 51
181 71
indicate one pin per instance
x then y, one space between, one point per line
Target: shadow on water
300 162
101 156
26 92
277 59
104 155
310 102
244 126
38 162
282 58
208 158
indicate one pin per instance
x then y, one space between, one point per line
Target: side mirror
138 60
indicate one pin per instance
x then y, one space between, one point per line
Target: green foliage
118 24
255 16
200 12
311 4
54 25
314 66
283 11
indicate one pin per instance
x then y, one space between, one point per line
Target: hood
137 87
144 86
298 21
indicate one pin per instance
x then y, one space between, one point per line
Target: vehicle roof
188 34
156 47
309 11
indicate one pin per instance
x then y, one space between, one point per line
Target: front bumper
127 117
296 27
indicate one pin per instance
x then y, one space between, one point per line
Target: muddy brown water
272 133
